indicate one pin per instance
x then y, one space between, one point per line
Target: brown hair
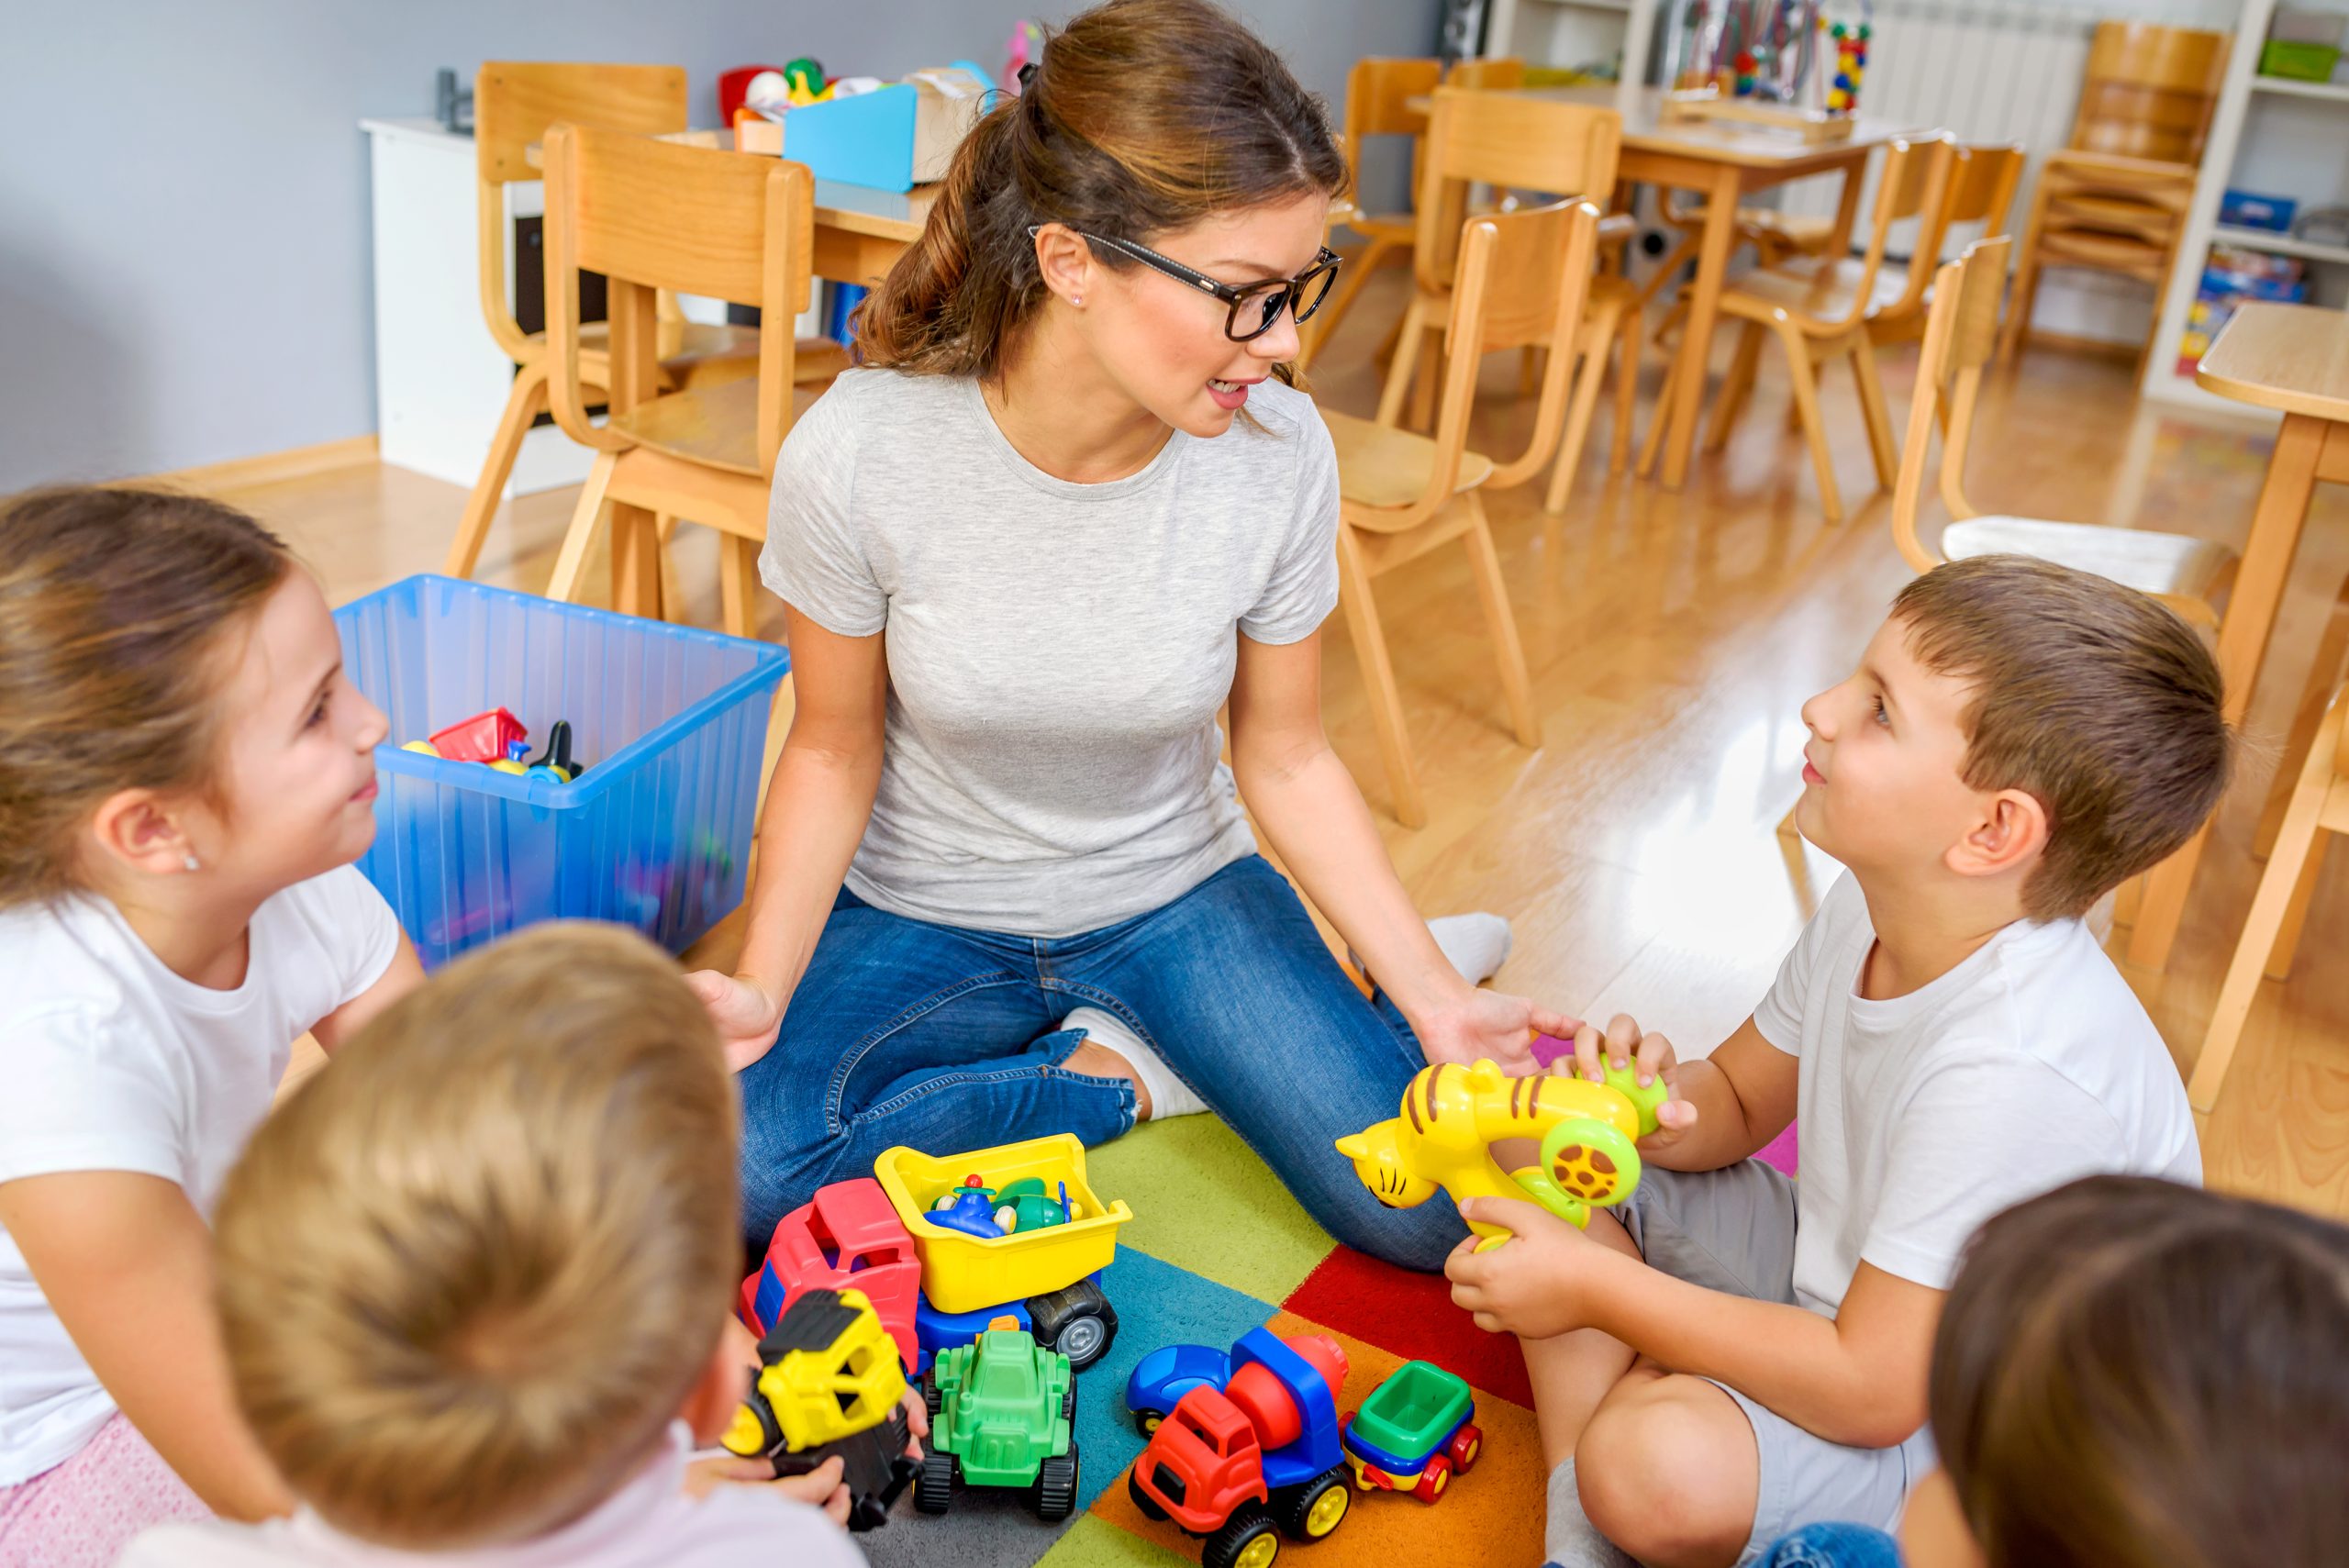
119 610
1140 116
2095 698
2131 1373
470 1271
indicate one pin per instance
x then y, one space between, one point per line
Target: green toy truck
1000 1415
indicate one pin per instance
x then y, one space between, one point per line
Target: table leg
2242 642
1704 309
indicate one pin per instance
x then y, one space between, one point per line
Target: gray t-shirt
1057 651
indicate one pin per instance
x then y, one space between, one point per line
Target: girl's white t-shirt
110 1062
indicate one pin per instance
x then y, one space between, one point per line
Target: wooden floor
1673 638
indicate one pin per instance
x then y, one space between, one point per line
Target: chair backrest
1504 73
1524 144
654 214
1378 95
2149 91
1961 335
514 103
1982 187
1523 278
1915 184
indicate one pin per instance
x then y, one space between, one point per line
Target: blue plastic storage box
671 721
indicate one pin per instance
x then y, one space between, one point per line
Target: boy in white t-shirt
1739 1354
474 1284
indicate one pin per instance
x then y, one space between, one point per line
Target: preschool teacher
1072 510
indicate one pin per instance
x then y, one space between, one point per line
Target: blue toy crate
671 721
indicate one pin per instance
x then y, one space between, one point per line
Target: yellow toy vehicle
830 1382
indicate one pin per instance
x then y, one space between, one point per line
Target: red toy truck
1241 1463
848 1237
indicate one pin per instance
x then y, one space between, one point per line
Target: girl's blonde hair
471 1271
121 610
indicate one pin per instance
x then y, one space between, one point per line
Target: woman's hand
746 1018
1623 1045
1474 1025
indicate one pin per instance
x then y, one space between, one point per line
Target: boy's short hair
2133 1374
2095 698
470 1271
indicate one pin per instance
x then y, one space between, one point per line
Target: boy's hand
746 1018
916 1417
821 1486
1623 1046
1531 1286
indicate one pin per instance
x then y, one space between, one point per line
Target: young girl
185 779
2131 1373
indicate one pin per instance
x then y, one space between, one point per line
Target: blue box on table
655 834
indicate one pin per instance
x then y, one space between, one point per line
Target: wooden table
1724 160
2293 359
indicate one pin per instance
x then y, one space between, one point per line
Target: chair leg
1351 278
1875 411
2269 908
586 520
1814 428
1517 683
1660 420
2026 281
1379 677
738 577
1570 444
1404 368
1738 387
1667 269
1627 394
2324 679
2296 913
523 403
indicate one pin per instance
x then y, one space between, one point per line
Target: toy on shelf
1416 1431
1044 1274
829 1383
1452 1116
1850 66
803 82
484 738
847 1235
1242 1458
1756 63
1002 1413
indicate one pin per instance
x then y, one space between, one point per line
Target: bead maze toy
1759 62
1452 1116
829 1384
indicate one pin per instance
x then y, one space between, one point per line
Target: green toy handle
1586 1163
1626 1082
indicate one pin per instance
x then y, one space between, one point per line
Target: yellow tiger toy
1452 1114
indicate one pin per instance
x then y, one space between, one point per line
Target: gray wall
184 216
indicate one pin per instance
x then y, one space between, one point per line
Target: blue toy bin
655 834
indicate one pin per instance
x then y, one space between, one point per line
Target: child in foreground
2132 1374
1738 1355
185 778
474 1282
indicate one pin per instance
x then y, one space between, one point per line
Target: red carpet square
1412 1315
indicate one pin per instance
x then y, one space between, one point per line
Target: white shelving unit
2275 136
1574 34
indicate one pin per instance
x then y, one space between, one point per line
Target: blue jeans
1832 1546
943 1039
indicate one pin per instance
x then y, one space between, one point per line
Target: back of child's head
470 1269
2131 1373
2095 698
121 612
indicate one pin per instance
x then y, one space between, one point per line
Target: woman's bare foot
1100 1062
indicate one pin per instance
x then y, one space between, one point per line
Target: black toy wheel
1248 1539
931 1394
1312 1510
1147 1422
1055 1495
1078 1322
1068 1403
1143 1500
934 1489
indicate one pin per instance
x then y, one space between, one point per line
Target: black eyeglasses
1255 308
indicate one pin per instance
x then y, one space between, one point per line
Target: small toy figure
970 1208
1243 1458
830 1382
512 762
1452 1114
555 761
1416 1431
1001 1414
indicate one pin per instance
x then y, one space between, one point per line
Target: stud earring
1078 301
191 863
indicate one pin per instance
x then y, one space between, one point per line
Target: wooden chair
1520 280
653 215
1377 104
2319 805
1531 144
2115 200
1776 236
1818 307
1504 73
1981 190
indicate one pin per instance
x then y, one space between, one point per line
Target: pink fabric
81 1514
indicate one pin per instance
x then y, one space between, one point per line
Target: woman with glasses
1073 509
